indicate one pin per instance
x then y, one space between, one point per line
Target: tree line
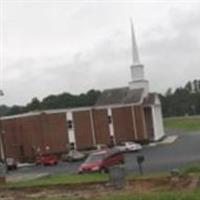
64 100
178 102
182 101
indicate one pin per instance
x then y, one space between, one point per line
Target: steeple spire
137 69
135 55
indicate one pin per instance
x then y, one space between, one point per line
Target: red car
100 161
47 160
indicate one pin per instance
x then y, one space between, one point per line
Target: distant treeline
182 101
64 100
178 102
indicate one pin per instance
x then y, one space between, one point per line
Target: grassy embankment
157 194
59 179
188 123
195 195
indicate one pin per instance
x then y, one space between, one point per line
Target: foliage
64 100
179 102
183 101
193 168
15 110
3 110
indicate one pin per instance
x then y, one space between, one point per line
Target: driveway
159 158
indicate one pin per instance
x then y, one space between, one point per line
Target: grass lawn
158 194
187 123
60 179
66 178
194 195
193 168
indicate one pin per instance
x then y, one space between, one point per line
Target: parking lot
159 157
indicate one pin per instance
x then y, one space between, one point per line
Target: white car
73 155
129 146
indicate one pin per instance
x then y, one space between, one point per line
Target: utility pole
2 144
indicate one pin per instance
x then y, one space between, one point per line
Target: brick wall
149 122
123 124
101 125
48 133
83 129
26 137
54 128
140 123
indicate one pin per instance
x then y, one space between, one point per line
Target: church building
130 113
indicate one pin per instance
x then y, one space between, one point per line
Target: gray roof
150 99
133 96
120 96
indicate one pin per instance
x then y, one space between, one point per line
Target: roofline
116 88
35 113
64 110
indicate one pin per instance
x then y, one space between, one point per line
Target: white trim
29 114
2 148
111 128
111 125
157 122
144 125
71 132
92 127
134 122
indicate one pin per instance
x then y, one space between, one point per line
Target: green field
187 123
194 195
59 179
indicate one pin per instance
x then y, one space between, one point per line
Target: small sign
140 160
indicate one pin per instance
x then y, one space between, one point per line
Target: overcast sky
54 46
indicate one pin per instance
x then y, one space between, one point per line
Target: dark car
11 164
100 161
47 160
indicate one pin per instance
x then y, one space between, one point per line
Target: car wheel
104 170
122 161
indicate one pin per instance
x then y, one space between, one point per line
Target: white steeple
136 59
137 69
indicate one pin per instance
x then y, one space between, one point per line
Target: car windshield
95 157
127 143
130 143
10 160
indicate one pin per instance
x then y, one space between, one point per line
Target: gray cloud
170 52
174 59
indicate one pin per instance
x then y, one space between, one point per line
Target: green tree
33 105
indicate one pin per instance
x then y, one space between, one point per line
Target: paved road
162 157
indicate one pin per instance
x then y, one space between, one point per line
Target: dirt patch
92 190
